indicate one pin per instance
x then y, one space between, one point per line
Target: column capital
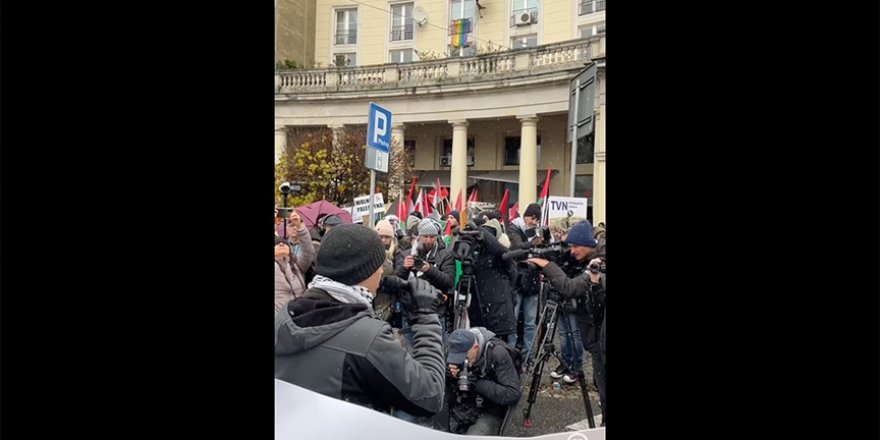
336 126
458 123
528 119
397 126
280 128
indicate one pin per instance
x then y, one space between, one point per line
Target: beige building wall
295 31
558 21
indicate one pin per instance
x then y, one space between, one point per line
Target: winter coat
492 307
442 272
343 351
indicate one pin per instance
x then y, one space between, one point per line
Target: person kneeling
485 379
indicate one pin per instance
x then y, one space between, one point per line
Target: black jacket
518 239
493 305
591 297
442 272
498 381
343 351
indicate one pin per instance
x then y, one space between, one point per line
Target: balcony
401 33
591 6
550 62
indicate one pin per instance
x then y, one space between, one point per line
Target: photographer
485 378
430 261
291 262
527 286
330 341
588 288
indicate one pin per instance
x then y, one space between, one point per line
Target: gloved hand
422 298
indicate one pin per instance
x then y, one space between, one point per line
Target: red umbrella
312 212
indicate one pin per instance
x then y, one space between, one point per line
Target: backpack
515 354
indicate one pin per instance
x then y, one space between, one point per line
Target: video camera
556 252
469 243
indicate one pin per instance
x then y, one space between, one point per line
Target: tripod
463 296
535 363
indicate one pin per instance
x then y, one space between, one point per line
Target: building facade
493 115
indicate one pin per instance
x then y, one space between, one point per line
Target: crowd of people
366 314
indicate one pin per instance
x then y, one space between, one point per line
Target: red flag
514 213
448 230
401 210
409 197
504 206
458 201
545 190
417 203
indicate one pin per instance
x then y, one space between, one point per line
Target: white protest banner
362 206
566 211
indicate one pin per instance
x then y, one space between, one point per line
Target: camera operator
486 381
492 306
589 289
435 265
331 342
527 287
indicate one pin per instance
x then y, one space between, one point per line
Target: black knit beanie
349 254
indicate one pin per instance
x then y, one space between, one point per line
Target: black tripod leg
507 417
587 406
533 391
582 381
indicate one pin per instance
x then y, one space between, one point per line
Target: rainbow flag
459 32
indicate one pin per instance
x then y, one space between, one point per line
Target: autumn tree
336 172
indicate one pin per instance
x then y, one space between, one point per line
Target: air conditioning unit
445 161
525 19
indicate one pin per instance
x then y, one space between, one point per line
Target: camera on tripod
469 243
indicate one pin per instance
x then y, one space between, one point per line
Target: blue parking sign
379 128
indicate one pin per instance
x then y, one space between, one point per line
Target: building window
592 29
469 10
401 22
446 157
583 187
586 31
410 148
512 148
456 52
585 149
401 56
346 26
591 6
524 12
348 59
524 41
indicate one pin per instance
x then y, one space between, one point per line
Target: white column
599 169
528 161
458 171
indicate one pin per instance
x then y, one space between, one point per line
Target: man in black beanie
330 340
526 298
